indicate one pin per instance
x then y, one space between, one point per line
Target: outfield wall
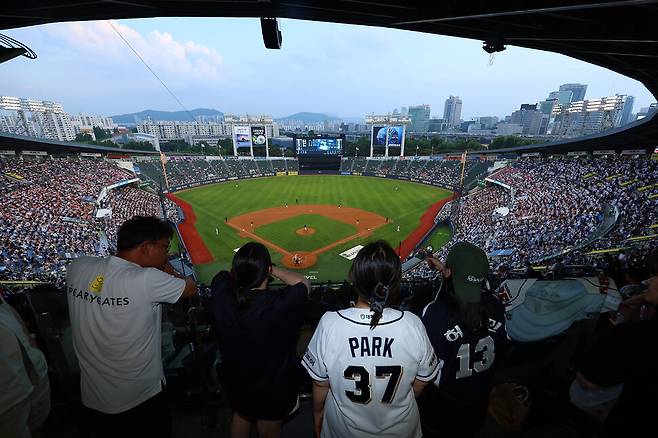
173 189
401 178
264 175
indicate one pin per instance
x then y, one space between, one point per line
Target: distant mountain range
156 115
308 117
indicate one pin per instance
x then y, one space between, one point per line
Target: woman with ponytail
257 329
372 358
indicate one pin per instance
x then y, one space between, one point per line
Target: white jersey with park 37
370 372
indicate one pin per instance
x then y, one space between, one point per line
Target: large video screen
258 135
242 136
379 135
395 135
319 146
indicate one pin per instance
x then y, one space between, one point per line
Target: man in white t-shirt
114 304
24 387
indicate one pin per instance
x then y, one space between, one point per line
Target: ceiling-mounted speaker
271 33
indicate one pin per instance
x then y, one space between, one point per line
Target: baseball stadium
519 282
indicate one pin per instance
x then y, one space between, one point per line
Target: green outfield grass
403 202
283 233
440 236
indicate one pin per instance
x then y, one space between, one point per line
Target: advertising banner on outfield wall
395 135
258 135
242 136
379 135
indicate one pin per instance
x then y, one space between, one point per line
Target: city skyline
325 68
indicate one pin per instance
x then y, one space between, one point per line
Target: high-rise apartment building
420 118
563 97
588 116
529 118
452 111
577 91
35 118
627 111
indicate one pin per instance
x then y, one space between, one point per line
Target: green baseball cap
469 266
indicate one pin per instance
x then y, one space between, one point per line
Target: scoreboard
319 145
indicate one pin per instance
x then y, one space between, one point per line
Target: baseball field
307 222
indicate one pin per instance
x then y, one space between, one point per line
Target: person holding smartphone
257 330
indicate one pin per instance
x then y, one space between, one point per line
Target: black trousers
151 418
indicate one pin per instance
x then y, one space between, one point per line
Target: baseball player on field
371 358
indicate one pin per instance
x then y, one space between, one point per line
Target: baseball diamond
305 221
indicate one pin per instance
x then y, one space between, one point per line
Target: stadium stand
47 213
278 165
556 206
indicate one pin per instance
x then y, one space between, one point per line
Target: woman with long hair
257 330
372 358
466 325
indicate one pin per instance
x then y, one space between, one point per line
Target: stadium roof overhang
21 143
619 35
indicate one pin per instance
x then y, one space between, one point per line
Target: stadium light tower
391 130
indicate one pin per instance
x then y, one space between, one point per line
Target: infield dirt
365 223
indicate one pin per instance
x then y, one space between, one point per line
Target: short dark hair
140 229
376 274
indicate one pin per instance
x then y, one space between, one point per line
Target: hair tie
380 292
377 307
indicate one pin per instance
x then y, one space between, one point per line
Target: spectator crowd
47 213
549 210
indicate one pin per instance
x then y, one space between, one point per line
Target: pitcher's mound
299 260
305 232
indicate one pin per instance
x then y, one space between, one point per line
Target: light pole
356 152
220 150
416 150
432 151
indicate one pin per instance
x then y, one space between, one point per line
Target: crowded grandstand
534 315
533 210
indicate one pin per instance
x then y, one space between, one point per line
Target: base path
364 221
197 250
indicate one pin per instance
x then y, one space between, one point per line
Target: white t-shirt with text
116 319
